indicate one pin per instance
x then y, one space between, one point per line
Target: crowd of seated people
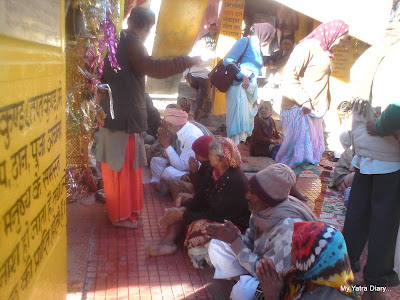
252 231
259 232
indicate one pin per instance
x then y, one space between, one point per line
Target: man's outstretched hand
226 232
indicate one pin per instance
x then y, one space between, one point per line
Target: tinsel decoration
110 41
94 31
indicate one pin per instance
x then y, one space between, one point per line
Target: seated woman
192 182
265 139
322 267
221 198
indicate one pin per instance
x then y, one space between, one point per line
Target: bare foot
162 249
128 224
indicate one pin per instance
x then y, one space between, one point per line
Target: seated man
193 181
176 165
221 198
270 231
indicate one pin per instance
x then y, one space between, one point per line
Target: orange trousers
123 189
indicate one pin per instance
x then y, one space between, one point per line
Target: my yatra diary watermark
364 288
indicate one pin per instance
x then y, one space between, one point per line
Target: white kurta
179 164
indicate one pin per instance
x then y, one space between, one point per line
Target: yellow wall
32 151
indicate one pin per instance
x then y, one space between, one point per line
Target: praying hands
271 282
164 137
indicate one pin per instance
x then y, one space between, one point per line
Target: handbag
220 77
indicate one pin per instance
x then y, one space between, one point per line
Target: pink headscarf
175 116
327 33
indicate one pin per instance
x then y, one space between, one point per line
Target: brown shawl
290 208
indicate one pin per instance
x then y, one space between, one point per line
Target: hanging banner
230 31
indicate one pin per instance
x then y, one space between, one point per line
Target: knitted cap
273 184
200 145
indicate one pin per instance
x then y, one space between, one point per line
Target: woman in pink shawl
305 96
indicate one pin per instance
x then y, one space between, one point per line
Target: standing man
373 213
197 76
121 147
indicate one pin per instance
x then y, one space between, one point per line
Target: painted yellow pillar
177 27
32 150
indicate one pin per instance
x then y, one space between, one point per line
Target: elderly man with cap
177 164
269 235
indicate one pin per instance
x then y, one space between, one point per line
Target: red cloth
200 146
194 236
327 33
123 189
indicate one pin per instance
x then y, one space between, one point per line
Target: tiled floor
117 266
106 262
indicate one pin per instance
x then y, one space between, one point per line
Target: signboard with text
32 151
